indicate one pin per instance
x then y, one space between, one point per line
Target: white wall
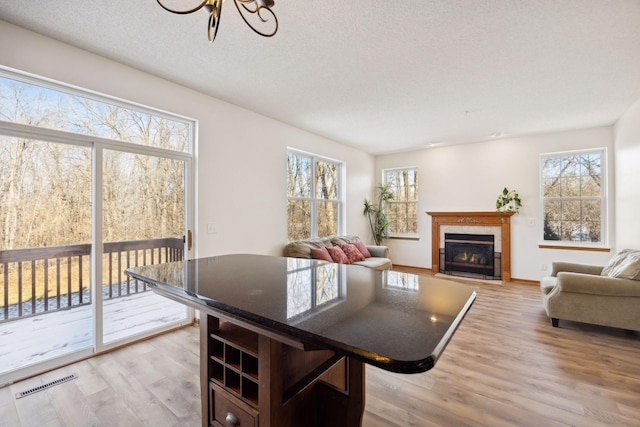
627 197
241 155
470 177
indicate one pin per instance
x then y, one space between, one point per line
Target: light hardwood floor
506 366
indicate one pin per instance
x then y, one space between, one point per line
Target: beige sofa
379 259
592 294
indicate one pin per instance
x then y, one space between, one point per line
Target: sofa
607 296
378 259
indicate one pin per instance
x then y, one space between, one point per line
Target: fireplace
470 255
490 222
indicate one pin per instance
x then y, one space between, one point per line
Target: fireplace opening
470 255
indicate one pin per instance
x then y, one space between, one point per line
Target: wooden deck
35 339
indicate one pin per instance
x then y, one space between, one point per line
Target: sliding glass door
45 236
143 217
89 186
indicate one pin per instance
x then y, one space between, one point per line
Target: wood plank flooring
506 366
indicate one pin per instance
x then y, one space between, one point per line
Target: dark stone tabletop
397 321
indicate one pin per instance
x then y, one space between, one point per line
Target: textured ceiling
378 75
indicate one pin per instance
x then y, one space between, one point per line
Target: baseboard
525 281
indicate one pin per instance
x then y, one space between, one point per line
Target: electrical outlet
211 229
543 267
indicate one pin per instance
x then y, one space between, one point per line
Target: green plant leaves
377 213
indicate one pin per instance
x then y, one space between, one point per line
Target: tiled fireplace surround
472 223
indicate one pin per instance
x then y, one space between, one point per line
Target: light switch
211 229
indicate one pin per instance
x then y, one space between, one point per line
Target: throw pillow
352 252
624 265
321 253
363 249
338 255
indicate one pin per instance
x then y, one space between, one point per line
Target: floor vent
46 386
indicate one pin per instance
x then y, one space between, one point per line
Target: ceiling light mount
248 10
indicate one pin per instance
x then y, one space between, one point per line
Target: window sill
575 248
407 237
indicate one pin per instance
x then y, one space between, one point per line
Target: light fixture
258 8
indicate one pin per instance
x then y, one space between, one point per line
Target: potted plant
377 213
508 201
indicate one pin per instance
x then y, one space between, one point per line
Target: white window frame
604 199
313 200
417 202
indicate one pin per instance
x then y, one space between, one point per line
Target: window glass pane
402 210
552 229
45 194
392 216
590 187
551 167
326 180
298 176
553 210
551 187
299 223
570 186
57 109
591 210
143 197
571 210
592 231
327 219
570 166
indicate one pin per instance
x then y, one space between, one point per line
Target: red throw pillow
338 255
363 249
352 252
321 253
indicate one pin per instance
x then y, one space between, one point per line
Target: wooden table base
254 377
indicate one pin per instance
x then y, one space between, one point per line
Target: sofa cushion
363 249
624 265
352 252
377 263
321 253
302 248
338 255
341 240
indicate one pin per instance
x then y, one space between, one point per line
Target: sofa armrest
572 267
378 251
597 285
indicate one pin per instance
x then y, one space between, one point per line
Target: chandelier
247 8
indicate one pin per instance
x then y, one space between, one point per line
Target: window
573 196
84 113
313 196
403 209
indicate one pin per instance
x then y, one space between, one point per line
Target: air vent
46 386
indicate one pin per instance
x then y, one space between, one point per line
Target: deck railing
39 280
